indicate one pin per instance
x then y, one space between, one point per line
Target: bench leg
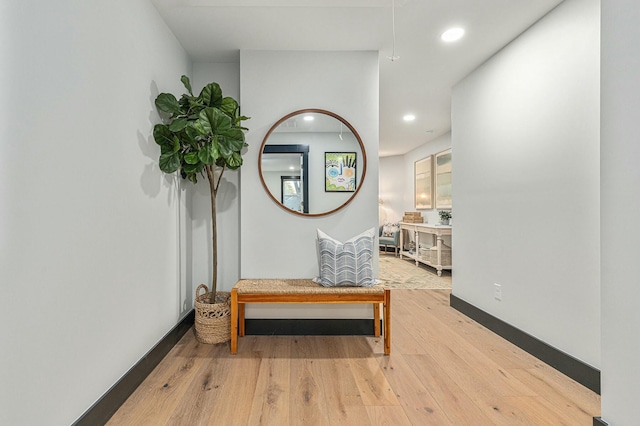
234 321
241 318
376 319
387 321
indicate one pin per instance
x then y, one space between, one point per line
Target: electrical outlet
497 291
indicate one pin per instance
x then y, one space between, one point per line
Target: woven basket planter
213 318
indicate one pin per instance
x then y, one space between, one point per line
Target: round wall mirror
312 162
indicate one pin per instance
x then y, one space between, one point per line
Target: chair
393 240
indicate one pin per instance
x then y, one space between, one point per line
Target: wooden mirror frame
317 111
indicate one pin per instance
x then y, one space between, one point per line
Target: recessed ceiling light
409 117
452 34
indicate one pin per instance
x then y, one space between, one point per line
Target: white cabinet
429 249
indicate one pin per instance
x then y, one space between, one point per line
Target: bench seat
306 291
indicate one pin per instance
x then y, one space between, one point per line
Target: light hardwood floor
444 369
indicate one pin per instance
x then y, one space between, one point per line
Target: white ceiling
419 82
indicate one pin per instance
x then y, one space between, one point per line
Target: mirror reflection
292 193
284 171
312 162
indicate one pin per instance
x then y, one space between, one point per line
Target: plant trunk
214 231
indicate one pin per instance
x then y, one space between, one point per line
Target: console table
419 230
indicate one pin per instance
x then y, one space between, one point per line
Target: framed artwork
423 183
340 171
443 179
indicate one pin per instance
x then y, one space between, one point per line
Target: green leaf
199 129
233 135
192 135
166 102
191 158
211 95
164 149
178 124
212 122
195 104
162 135
187 84
192 168
240 119
208 154
235 161
169 162
229 106
170 147
185 103
224 147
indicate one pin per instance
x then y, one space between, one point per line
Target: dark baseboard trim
597 421
108 404
310 327
565 363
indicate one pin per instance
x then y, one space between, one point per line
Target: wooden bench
306 291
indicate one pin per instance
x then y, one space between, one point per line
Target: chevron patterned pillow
349 263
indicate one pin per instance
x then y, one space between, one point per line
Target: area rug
396 273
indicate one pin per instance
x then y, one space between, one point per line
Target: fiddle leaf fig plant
200 136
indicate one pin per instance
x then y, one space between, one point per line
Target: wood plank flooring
444 369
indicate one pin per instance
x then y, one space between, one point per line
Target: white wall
89 253
620 204
227 75
275 243
526 182
392 189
